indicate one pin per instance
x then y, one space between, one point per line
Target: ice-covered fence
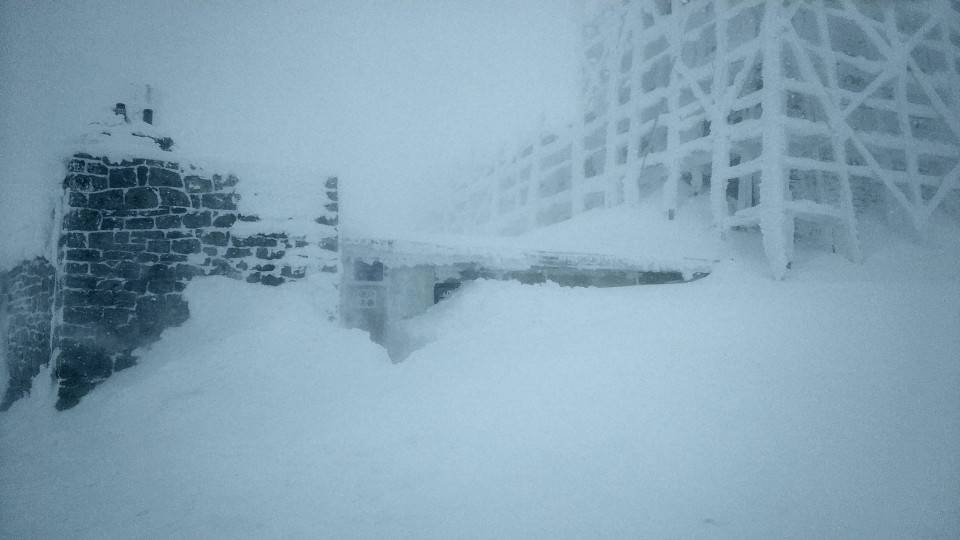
793 112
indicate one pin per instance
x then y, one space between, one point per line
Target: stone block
118 255
160 286
187 271
268 254
272 280
169 222
109 223
257 240
226 220
219 201
173 197
142 197
331 183
102 270
136 285
83 255
147 258
73 240
128 270
85 182
160 177
159 271
236 253
254 277
111 199
169 258
289 272
143 236
96 167
141 175
158 246
81 220
196 184
186 246
125 299
77 199
221 182
76 268
328 220
101 240
215 238
196 220
110 285
139 223
125 177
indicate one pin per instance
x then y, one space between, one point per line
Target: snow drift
732 407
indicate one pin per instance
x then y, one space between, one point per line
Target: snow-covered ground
824 406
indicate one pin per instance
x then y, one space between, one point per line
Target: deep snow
825 406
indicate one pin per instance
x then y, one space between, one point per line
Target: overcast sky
388 94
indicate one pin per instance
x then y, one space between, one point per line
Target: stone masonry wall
26 297
133 233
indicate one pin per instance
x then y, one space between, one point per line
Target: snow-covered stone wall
26 297
132 233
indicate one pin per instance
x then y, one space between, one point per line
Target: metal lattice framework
797 113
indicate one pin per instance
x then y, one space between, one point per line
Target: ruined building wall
26 298
132 234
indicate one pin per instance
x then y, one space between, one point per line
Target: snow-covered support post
775 224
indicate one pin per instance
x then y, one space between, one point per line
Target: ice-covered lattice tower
795 114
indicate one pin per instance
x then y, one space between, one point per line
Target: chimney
121 110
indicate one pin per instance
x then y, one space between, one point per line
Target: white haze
394 96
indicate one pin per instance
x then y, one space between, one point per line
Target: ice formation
798 117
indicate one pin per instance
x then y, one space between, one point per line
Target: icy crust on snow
731 407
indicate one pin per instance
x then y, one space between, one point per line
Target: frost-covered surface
618 238
285 198
824 406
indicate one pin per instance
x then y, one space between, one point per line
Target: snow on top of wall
286 197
